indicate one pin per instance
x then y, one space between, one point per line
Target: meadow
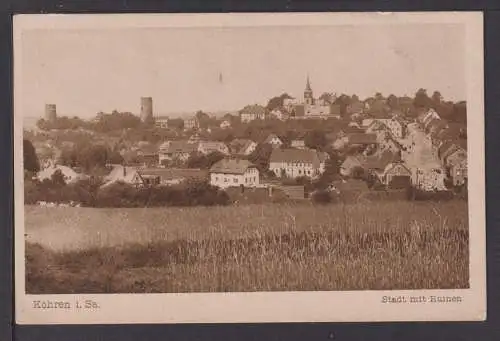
369 246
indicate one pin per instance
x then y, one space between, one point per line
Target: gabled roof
231 166
445 147
174 173
239 146
290 155
178 147
121 173
392 165
380 162
271 137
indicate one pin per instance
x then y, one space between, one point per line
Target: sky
212 69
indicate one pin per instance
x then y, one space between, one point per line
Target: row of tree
89 193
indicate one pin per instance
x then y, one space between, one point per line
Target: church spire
308 93
308 84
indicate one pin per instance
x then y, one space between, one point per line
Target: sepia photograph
247 154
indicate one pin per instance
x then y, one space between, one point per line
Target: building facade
294 163
234 173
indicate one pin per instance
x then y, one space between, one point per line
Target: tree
379 97
57 178
358 172
393 102
436 98
421 99
30 159
203 161
328 97
176 123
261 155
277 101
321 197
315 139
203 119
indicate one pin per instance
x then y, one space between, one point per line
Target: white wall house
273 140
207 147
294 163
234 173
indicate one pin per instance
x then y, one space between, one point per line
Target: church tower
308 93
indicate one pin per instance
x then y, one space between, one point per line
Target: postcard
272 167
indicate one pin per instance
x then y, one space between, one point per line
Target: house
436 130
176 151
447 148
376 164
242 146
171 176
225 124
367 122
300 144
252 112
387 142
316 110
395 176
147 154
396 125
458 172
361 139
426 116
297 111
126 174
355 108
297 162
350 163
234 173
280 114
191 123
195 138
161 121
207 147
273 140
69 174
354 124
454 158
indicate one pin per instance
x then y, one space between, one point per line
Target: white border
346 306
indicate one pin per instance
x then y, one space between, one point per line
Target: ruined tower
50 112
147 109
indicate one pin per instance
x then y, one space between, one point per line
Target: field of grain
385 245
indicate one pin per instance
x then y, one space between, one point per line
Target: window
235 180
300 172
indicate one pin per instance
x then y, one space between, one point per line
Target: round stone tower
50 112
146 109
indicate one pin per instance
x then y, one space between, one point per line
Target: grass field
385 245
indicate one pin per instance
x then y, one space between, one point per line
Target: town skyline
224 69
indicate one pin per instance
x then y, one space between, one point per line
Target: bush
419 195
193 193
321 197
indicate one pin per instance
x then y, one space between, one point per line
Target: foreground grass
374 247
